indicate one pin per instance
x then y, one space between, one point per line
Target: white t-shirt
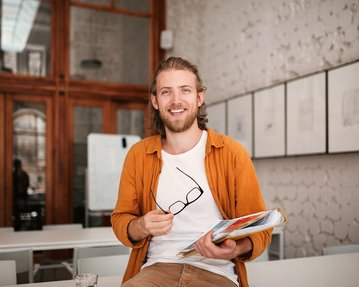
195 218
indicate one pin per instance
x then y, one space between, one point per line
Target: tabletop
110 281
57 239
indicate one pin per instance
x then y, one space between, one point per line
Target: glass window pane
25 37
109 47
130 122
138 5
29 170
86 120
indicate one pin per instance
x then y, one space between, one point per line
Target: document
240 227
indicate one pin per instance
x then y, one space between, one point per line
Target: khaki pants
179 275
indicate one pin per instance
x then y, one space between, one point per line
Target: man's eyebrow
163 88
170 88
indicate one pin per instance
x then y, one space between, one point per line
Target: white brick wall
245 45
320 195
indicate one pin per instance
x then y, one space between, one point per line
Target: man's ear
154 101
200 98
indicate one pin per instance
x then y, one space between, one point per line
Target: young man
177 183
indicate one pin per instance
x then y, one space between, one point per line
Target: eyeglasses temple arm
191 178
153 196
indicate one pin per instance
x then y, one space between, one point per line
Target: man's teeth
177 111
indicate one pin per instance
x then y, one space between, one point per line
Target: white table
57 239
329 271
111 281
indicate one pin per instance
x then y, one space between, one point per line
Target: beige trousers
179 275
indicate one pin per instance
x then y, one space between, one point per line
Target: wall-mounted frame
10 62
269 122
36 60
240 123
306 115
217 117
343 108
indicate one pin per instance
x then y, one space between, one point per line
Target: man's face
177 99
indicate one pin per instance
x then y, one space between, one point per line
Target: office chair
87 252
7 272
24 263
104 265
49 263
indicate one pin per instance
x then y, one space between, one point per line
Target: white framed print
306 115
343 108
240 124
217 117
269 122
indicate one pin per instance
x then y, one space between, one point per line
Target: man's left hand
228 249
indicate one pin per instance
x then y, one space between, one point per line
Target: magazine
240 227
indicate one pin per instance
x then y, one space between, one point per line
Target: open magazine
240 227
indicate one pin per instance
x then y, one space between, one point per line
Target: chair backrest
114 265
340 249
87 252
62 226
7 272
24 261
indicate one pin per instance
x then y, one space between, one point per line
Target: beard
180 125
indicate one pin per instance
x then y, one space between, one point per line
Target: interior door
28 159
86 117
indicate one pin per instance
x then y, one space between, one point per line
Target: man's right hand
153 223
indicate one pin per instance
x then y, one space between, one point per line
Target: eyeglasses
179 205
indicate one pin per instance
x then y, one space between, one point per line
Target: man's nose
176 96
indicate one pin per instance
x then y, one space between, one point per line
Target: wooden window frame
59 90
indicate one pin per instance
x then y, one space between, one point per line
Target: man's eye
186 91
165 92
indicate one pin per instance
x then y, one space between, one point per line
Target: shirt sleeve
249 200
127 206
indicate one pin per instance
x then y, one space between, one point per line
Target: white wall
245 45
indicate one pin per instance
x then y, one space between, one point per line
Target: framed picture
343 108
240 126
306 115
269 124
217 117
10 62
35 60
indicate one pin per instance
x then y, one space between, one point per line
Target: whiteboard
105 156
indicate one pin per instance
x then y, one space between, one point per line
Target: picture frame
217 117
343 108
269 122
240 120
306 115
35 60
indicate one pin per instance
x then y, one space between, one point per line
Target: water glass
86 280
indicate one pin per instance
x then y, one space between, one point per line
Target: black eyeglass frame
180 201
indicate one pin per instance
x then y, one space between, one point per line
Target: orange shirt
231 178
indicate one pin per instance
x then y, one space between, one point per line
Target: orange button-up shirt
231 178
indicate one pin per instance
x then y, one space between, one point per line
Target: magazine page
240 227
237 223
272 218
223 228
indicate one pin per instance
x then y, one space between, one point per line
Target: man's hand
153 223
228 249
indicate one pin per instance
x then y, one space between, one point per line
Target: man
177 183
21 184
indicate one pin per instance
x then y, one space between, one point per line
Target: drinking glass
86 280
